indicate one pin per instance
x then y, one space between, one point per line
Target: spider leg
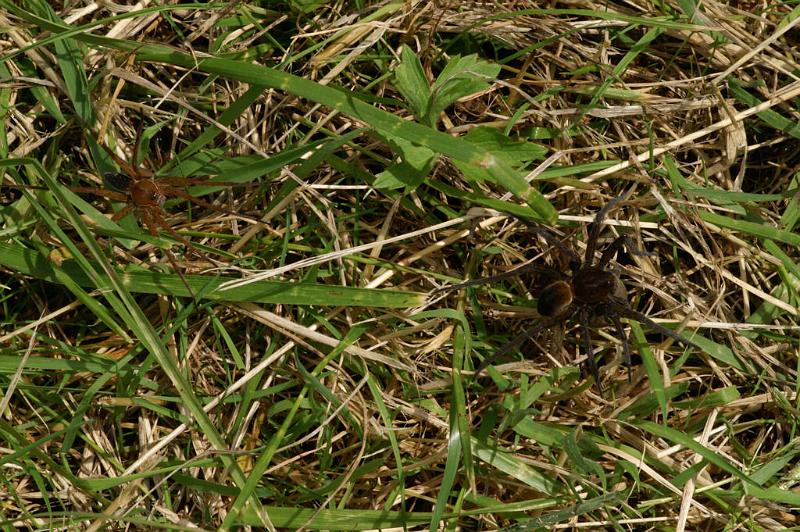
137 142
91 138
122 213
101 192
174 263
627 312
158 221
153 220
518 341
618 243
611 251
551 238
126 168
505 275
597 225
586 337
176 192
203 181
626 347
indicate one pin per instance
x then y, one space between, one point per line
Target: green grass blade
29 262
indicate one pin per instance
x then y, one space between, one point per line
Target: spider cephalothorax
590 291
144 191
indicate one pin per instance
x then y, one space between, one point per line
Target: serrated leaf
410 80
461 77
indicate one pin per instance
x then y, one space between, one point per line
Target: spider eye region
555 298
595 284
146 193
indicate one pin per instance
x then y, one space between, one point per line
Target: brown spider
592 292
144 194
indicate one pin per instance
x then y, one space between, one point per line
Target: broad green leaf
513 152
410 80
416 162
461 77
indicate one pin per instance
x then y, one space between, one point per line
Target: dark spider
591 292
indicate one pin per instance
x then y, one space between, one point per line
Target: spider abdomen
555 298
591 285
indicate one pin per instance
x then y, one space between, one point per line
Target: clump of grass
303 378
